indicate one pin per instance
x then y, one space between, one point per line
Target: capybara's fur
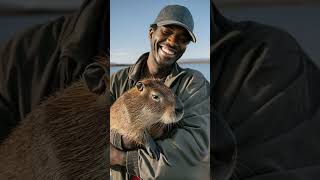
140 108
66 137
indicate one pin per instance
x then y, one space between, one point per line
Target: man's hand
117 157
151 146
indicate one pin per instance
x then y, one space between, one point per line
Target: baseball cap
177 15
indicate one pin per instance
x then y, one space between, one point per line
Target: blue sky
130 21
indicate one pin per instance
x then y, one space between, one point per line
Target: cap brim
163 23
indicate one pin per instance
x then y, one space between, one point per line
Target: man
185 152
265 103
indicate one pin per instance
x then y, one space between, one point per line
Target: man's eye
166 32
183 39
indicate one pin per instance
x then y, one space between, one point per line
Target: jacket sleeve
185 153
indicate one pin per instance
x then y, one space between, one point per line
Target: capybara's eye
155 97
140 86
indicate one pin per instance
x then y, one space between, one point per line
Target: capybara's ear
140 86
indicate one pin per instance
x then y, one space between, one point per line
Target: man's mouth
167 50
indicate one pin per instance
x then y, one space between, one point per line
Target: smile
167 50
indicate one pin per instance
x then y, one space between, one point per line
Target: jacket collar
228 33
219 24
223 29
80 41
135 71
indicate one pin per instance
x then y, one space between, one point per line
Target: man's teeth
167 50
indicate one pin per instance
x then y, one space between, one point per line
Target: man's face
168 43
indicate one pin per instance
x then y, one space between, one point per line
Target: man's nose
172 40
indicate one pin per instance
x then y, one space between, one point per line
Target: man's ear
151 31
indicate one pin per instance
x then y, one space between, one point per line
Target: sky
130 21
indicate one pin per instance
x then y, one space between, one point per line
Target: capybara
142 107
65 137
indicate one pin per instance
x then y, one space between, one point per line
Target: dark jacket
266 96
48 57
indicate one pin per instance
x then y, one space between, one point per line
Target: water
203 68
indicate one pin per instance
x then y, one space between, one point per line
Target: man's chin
165 61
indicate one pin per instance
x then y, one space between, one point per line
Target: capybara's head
153 102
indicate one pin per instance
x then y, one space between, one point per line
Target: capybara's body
66 137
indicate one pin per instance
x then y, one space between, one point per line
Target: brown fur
136 111
66 137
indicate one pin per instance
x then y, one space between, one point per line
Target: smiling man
185 149
168 43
